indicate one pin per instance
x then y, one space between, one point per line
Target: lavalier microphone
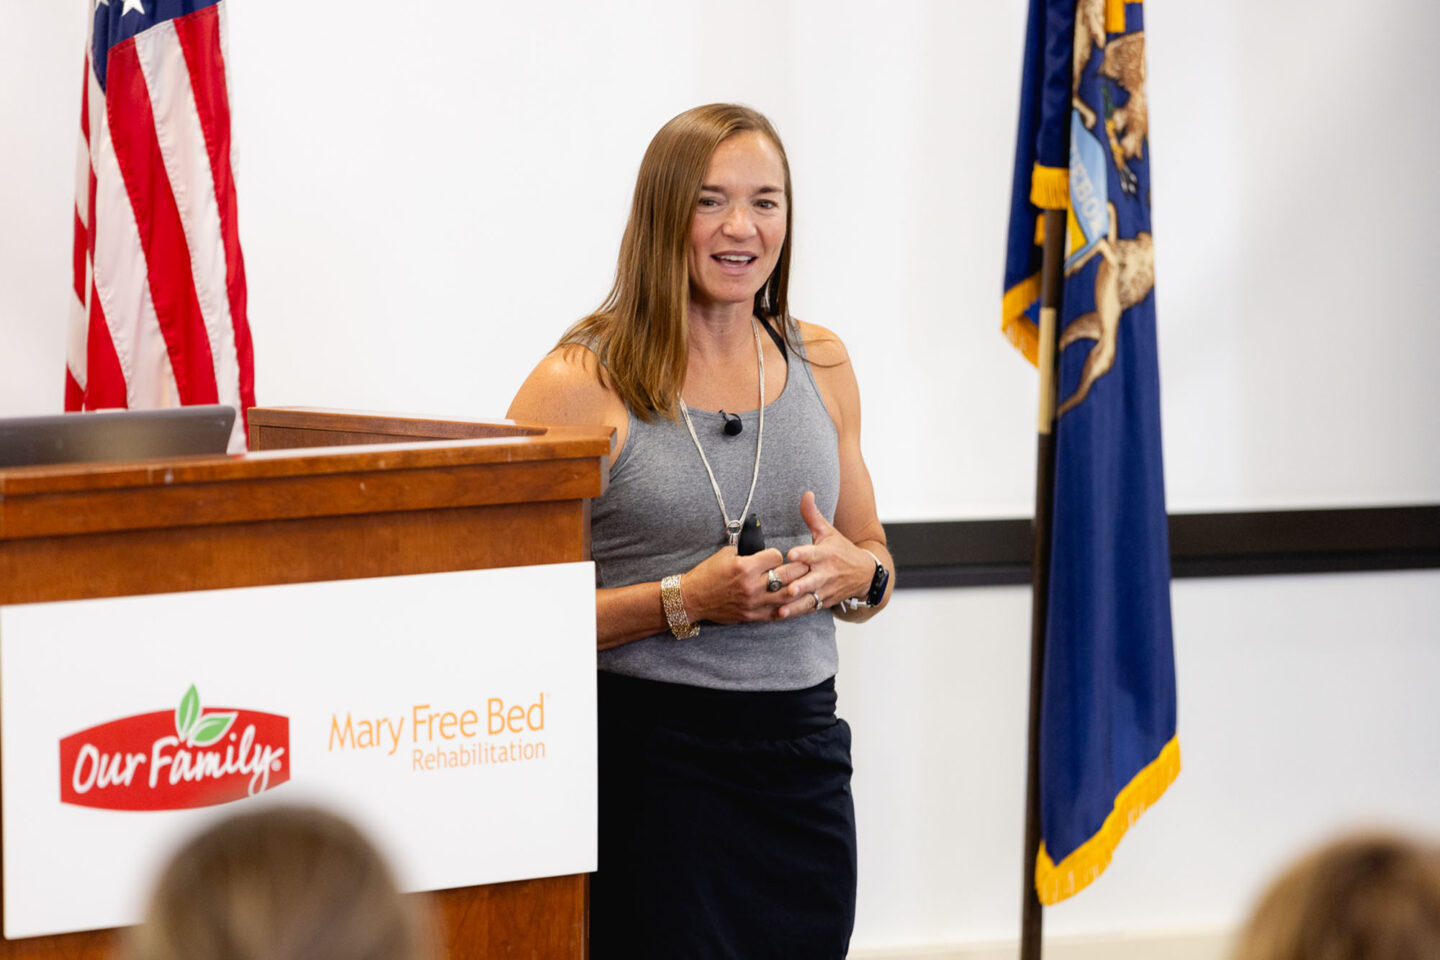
733 426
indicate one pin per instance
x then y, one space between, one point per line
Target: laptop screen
114 435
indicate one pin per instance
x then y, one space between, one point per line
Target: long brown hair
640 332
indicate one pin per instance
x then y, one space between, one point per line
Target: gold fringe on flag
1050 187
1055 882
1017 327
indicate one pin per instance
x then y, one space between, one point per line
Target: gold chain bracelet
674 606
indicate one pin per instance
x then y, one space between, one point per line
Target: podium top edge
553 444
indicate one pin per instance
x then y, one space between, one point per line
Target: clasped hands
728 588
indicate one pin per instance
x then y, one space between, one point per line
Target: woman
1361 897
726 825
280 883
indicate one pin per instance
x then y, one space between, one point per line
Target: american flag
158 318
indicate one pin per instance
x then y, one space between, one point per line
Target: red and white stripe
159 313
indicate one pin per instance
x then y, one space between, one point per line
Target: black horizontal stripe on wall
979 553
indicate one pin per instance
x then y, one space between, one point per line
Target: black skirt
726 824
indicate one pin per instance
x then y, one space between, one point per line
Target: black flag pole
1050 278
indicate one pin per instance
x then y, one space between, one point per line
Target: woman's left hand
838 568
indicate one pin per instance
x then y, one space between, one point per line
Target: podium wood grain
324 495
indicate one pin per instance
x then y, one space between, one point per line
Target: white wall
1306 706
426 200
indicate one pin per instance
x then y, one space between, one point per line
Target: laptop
115 435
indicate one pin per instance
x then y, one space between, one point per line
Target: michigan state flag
1108 746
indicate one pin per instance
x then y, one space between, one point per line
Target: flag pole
1050 277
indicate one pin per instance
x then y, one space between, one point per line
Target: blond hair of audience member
282 883
1367 897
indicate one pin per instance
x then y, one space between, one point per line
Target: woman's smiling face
739 225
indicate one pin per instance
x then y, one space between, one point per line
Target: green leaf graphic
188 713
211 728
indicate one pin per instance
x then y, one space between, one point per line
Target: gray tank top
659 517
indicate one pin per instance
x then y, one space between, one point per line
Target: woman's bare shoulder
834 375
567 386
823 347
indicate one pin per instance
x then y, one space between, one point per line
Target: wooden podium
416 495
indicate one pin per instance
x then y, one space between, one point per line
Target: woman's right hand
728 588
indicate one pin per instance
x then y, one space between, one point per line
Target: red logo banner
174 760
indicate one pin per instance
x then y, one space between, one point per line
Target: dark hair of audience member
281 883
1367 897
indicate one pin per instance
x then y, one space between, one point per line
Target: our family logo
175 759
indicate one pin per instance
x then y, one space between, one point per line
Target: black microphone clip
733 425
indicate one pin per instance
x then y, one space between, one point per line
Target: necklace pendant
733 527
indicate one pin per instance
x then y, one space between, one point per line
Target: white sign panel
450 715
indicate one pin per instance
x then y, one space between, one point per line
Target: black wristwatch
876 592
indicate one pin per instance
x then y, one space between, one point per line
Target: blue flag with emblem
1108 746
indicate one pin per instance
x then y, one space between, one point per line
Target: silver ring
818 603
775 583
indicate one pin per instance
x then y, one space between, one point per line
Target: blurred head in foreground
1370 897
282 883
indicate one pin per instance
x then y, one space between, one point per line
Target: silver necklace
732 527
